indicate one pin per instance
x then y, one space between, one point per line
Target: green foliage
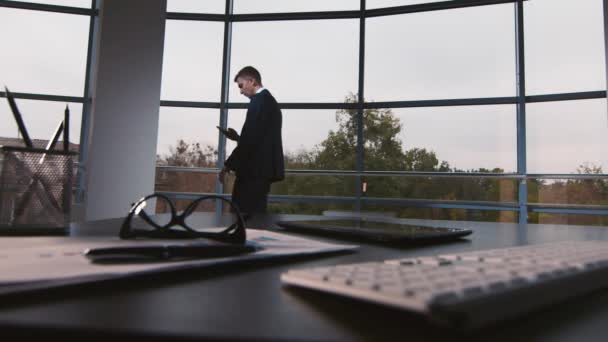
189 155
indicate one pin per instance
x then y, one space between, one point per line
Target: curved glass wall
484 112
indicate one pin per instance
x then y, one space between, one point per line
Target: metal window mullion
521 111
227 48
86 106
605 9
360 167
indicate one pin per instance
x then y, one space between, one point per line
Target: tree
383 150
189 155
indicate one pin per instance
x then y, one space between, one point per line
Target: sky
462 53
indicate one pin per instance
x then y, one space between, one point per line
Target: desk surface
249 302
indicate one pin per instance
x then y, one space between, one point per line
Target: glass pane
192 61
309 139
564 46
569 191
443 213
45 52
187 137
196 6
300 61
306 136
276 6
185 181
446 139
391 3
459 53
41 119
563 136
70 3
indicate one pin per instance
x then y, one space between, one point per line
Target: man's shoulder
266 96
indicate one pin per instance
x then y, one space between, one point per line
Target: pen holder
35 191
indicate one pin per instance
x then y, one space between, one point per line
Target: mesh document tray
35 191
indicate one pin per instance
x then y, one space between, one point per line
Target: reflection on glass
564 46
563 137
196 6
188 182
572 219
442 188
441 139
44 53
300 61
316 185
569 191
276 6
192 61
458 53
310 208
187 137
443 213
41 119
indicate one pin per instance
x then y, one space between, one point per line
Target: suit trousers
251 195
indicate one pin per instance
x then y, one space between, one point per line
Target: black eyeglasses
180 226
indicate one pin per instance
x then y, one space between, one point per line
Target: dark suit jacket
259 152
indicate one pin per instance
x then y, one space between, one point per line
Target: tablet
370 229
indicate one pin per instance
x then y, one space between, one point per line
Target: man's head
248 80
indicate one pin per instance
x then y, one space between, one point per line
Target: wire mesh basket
35 191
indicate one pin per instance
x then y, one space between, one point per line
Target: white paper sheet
26 260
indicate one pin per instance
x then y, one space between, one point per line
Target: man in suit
257 159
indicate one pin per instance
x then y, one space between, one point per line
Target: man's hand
232 134
222 174
229 133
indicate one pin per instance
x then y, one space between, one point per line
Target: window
564 136
300 61
459 53
196 6
276 6
564 46
370 4
70 3
463 138
192 61
41 118
44 59
187 137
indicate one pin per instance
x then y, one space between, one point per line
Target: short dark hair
249 72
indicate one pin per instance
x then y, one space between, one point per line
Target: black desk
249 302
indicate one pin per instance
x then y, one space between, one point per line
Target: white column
121 153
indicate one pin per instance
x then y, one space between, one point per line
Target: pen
18 118
51 144
168 252
66 129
